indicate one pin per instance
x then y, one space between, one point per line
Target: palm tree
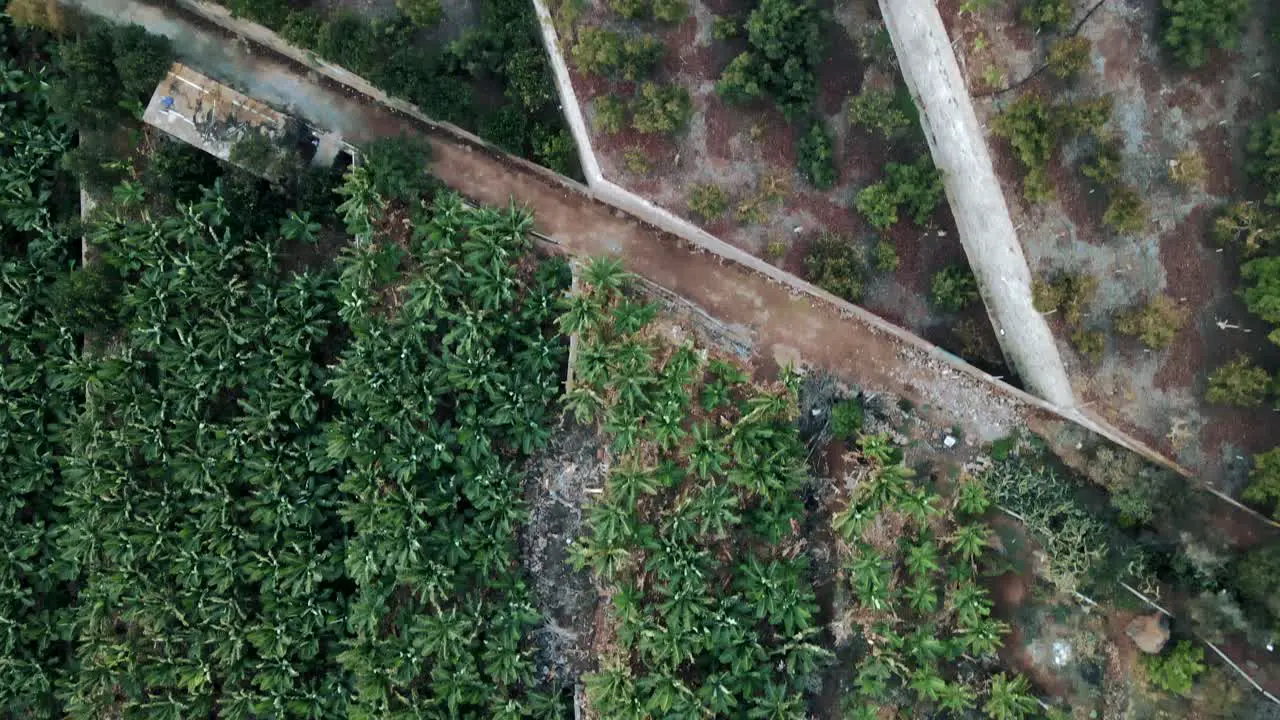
877 449
604 275
921 596
922 558
921 505
984 638
924 646
927 684
627 483
300 227
851 521
971 498
970 603
969 541
777 703
887 485
871 575
707 456
957 698
1009 698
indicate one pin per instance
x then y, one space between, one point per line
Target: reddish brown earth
1159 112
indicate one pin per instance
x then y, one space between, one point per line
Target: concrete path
959 150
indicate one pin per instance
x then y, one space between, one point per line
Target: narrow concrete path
780 318
977 201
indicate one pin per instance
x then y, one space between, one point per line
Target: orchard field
278 449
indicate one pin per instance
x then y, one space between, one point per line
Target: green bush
1264 156
1071 293
1046 14
423 13
1249 226
1155 323
915 189
1105 166
554 149
397 168
1069 56
1193 27
1176 670
608 53
1239 383
708 201
302 28
878 111
1126 213
785 47
611 114
815 158
846 418
670 11
725 28
1090 343
1035 130
661 108
95 166
630 9
106 68
1255 576
835 264
885 256
953 288
1262 289
1264 481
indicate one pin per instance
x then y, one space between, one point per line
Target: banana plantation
266 451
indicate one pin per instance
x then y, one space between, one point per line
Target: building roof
209 115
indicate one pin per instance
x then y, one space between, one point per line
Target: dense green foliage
784 49
915 189
704 461
661 108
1240 383
1194 27
1155 322
708 202
1176 669
926 620
1036 130
610 53
1264 156
837 265
1264 481
505 49
953 288
1046 14
814 157
880 112
107 72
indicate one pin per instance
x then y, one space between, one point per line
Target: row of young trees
698 540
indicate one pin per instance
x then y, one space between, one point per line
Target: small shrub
885 256
1156 323
1090 343
661 108
423 13
1072 293
725 28
994 77
1029 126
611 114
1264 481
1189 169
815 158
708 201
1085 116
1046 14
1069 56
670 11
1247 225
637 161
954 288
1176 670
1255 575
1126 213
835 264
878 112
1264 156
1193 27
878 204
631 9
916 189
1239 383
775 250
772 189
608 53
846 418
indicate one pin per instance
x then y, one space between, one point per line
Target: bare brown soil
1159 112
